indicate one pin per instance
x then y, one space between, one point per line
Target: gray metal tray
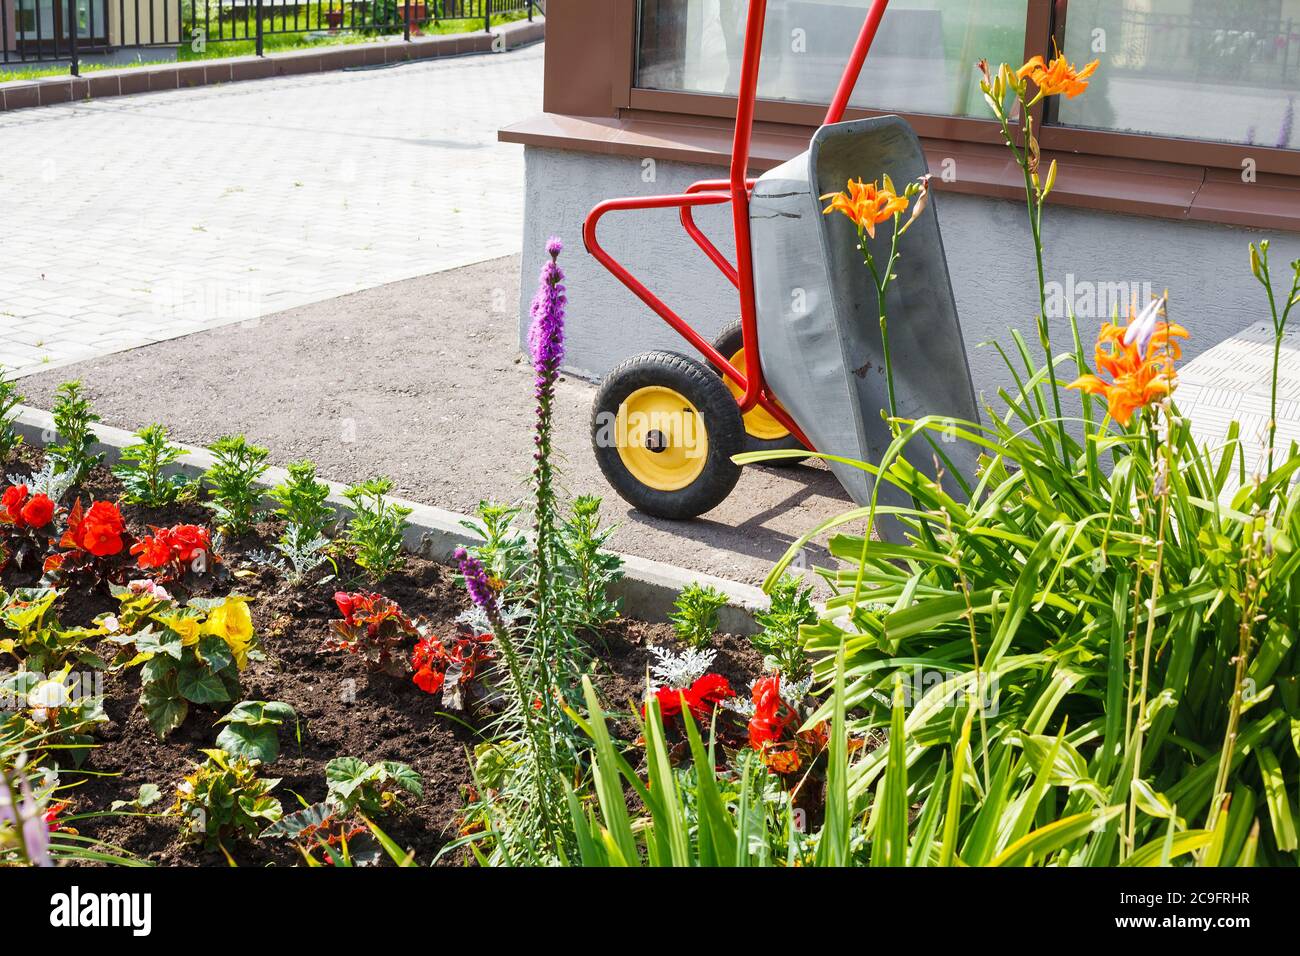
818 323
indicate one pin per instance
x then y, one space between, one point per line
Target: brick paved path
132 220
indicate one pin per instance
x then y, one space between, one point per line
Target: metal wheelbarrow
802 366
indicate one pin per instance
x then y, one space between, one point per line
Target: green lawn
270 42
314 36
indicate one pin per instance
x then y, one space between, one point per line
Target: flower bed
341 705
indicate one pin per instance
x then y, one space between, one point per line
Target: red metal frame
736 189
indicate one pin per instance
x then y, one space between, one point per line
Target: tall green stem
882 287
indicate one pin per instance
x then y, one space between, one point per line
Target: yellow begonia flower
187 627
233 623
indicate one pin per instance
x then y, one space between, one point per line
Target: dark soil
343 709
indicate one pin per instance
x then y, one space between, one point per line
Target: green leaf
1046 840
833 845
889 815
164 711
1279 805
617 831
200 685
1152 853
150 641
261 808
405 777
252 742
257 713
214 652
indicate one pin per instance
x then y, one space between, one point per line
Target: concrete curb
648 588
47 91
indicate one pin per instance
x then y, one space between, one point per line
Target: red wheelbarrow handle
736 190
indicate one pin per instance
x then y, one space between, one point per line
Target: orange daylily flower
867 204
1056 77
1137 378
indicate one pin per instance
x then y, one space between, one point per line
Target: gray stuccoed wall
1205 267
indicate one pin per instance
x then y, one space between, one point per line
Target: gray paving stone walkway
1232 382
140 219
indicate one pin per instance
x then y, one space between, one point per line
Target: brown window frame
1045 24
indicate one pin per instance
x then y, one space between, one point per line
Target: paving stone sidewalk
135 220
422 380
1232 381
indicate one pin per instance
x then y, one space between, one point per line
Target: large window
1225 71
922 61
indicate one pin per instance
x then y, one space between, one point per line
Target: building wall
990 257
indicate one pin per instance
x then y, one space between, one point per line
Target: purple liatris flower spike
26 817
476 580
546 333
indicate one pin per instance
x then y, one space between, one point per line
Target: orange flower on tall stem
1058 76
867 204
1139 358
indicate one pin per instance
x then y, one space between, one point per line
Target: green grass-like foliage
791 608
73 419
376 527
302 502
1130 627
143 466
694 815
232 482
695 619
10 398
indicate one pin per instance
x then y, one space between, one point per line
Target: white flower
112 624
48 694
1142 328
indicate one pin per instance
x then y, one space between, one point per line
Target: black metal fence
1239 43
74 31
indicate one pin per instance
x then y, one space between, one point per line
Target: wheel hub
661 438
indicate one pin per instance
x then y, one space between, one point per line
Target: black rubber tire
730 341
722 424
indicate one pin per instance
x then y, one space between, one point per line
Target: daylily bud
1051 179
1255 269
1008 81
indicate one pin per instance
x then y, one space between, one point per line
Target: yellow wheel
664 448
763 432
664 430
759 423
